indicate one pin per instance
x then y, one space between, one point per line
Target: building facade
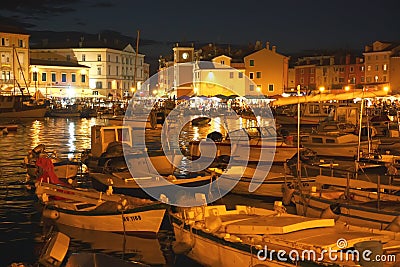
382 65
60 79
112 72
268 70
333 73
14 62
218 78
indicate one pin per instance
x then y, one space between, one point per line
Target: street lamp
321 89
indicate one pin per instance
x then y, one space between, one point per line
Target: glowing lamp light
322 89
210 75
386 89
258 89
155 92
347 88
35 69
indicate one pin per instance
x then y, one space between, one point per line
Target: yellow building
382 65
61 79
218 78
14 62
268 70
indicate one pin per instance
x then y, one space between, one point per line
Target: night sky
290 25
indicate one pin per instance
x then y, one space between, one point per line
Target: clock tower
183 54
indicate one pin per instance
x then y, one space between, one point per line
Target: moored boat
352 201
140 185
20 106
248 236
94 210
262 143
337 144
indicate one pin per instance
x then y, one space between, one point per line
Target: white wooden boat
352 201
97 211
248 236
263 144
337 145
271 183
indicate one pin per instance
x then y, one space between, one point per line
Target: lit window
384 67
369 68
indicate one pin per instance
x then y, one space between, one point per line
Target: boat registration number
132 218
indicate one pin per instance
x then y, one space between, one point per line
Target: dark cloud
14 22
39 7
103 4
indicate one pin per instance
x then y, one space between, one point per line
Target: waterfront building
112 69
268 70
382 65
218 78
14 62
60 79
331 72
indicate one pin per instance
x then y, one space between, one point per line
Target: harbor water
23 233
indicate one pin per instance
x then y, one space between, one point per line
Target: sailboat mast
298 135
359 136
136 56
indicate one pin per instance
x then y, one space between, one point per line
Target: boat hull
268 152
341 150
128 186
29 113
316 207
142 221
210 251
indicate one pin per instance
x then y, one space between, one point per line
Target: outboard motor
215 136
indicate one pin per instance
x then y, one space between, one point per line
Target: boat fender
329 214
181 247
51 214
213 223
394 226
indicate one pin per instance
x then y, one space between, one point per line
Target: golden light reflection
196 134
36 128
216 125
71 139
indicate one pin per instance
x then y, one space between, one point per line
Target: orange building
268 70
